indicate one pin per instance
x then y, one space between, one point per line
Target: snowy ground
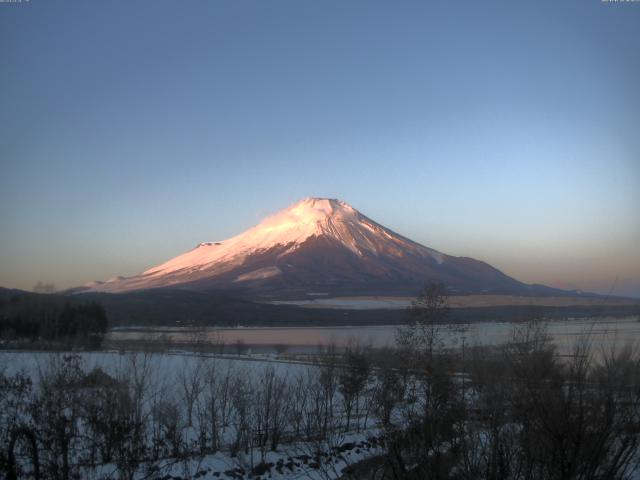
166 364
305 460
313 460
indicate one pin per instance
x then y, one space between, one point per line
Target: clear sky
506 131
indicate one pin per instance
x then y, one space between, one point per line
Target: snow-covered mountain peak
316 245
316 208
279 235
289 227
307 216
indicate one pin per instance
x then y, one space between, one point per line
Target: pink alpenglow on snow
316 244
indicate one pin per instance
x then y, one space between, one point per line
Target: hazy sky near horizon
506 131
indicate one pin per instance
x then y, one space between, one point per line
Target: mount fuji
319 246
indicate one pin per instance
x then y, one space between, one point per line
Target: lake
604 332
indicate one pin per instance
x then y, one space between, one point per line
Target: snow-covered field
312 461
204 416
167 366
184 416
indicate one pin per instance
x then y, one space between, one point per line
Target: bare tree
16 435
425 333
42 287
298 403
191 381
241 393
270 410
217 341
145 391
167 414
208 409
280 349
56 412
352 378
240 347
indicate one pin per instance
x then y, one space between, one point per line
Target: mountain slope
319 246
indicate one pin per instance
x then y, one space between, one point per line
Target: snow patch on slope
259 274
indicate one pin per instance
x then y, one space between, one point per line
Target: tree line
47 319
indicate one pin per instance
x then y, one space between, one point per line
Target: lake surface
603 332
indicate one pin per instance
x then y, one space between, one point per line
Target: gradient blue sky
507 131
